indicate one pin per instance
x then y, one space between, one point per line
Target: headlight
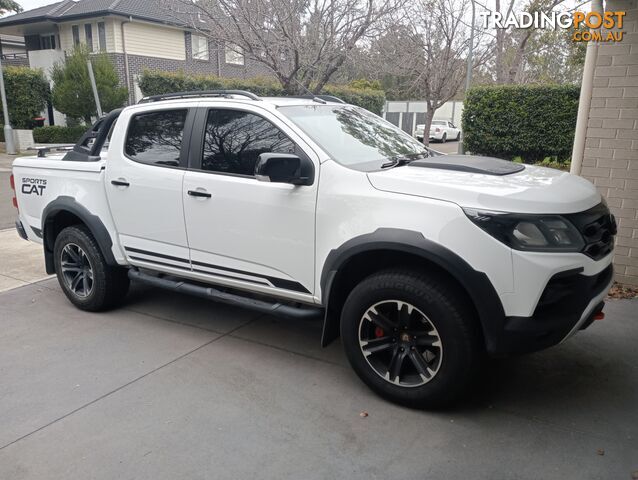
536 233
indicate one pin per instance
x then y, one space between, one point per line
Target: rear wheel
85 277
409 338
444 138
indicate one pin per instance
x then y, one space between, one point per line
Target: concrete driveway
174 387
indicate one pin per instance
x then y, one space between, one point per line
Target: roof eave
102 13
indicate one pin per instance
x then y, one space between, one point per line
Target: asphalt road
447 147
170 386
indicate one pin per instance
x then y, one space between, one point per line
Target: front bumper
569 302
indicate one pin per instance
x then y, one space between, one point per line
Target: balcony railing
14 56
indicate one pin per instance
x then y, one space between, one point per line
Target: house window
234 55
75 30
88 33
101 35
199 47
47 42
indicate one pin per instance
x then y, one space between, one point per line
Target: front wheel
410 338
458 136
85 277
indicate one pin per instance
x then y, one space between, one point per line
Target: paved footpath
21 262
175 387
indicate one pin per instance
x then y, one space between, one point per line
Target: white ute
309 207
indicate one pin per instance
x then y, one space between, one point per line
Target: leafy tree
72 93
27 94
9 6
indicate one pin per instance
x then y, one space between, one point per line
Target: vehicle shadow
588 377
585 384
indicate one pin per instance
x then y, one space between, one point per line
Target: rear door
144 179
241 231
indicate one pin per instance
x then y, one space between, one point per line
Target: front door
144 188
241 231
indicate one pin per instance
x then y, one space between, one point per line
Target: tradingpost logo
586 26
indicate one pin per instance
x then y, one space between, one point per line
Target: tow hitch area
597 314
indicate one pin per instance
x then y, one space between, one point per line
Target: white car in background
440 130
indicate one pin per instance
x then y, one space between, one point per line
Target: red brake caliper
378 332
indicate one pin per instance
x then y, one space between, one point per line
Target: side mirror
284 168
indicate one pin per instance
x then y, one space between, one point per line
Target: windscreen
353 136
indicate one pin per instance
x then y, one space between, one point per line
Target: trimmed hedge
530 121
57 134
27 95
157 83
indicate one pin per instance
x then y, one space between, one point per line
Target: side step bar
211 293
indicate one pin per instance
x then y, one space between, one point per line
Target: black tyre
458 136
86 279
411 338
444 138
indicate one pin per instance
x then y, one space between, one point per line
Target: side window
156 137
234 139
75 32
88 34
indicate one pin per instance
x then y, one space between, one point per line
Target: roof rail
201 93
330 98
321 98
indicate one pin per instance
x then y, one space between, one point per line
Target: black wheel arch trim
92 222
477 284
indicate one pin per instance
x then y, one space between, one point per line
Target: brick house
135 34
610 155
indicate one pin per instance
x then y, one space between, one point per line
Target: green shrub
56 134
367 98
555 163
157 83
27 95
72 92
530 121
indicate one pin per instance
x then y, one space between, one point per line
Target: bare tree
426 53
303 42
512 45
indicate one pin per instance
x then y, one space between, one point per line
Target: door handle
198 193
120 183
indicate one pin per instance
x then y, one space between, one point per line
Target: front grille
598 228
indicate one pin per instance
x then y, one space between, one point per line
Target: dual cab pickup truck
309 207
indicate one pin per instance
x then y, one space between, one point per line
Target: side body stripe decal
277 282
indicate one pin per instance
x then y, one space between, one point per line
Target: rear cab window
156 138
